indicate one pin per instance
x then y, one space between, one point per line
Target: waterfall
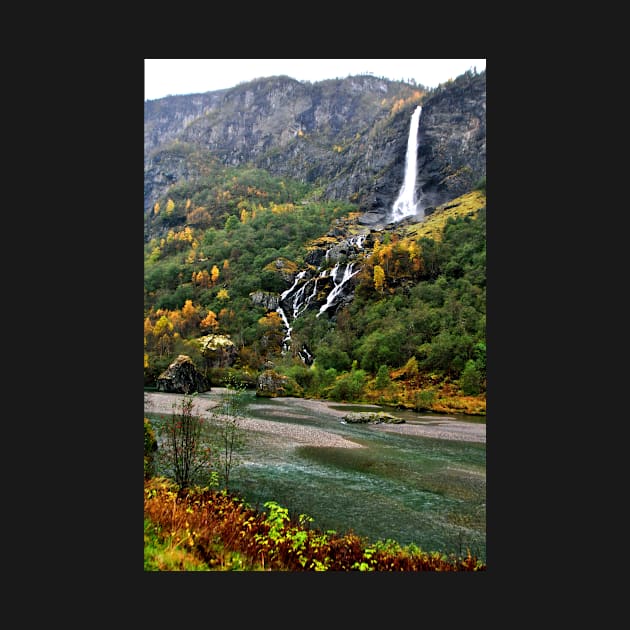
405 205
295 283
299 296
347 274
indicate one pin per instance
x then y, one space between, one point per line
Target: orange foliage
271 319
201 517
209 321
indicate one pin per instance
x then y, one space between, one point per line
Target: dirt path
427 426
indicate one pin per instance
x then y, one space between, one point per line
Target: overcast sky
164 77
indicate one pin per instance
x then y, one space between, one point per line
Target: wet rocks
371 417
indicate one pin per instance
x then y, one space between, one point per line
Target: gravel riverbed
203 406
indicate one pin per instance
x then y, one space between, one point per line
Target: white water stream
405 205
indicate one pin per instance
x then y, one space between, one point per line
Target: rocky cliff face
347 136
452 143
166 118
451 151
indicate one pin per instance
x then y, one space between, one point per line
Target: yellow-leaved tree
214 274
379 278
162 333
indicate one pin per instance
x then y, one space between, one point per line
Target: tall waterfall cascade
305 293
405 205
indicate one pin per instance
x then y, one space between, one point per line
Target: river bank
446 428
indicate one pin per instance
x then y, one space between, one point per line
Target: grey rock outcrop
182 377
265 298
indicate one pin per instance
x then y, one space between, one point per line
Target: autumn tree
214 274
209 321
201 278
415 258
379 278
385 255
148 327
174 318
190 318
162 333
223 295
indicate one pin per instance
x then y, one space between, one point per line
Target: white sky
164 77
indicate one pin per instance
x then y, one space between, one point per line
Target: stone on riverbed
371 417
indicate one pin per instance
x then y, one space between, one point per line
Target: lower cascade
333 282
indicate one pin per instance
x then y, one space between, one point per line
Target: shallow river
409 488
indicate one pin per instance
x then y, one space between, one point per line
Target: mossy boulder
217 350
270 384
371 417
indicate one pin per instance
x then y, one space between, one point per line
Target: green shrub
423 400
470 379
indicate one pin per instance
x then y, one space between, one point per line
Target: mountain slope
346 137
266 220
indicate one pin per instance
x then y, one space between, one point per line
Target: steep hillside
266 224
285 126
346 138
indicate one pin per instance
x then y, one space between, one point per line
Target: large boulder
218 350
182 377
270 384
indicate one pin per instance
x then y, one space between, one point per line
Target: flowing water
405 205
426 491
